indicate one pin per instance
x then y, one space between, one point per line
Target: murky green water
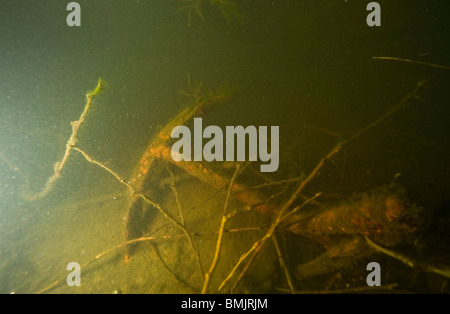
305 66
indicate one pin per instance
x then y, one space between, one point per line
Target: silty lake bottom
363 147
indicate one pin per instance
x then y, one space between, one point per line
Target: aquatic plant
228 9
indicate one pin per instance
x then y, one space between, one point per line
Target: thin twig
242 259
139 194
275 183
406 99
247 266
191 243
413 61
397 256
307 201
406 260
58 166
283 264
209 274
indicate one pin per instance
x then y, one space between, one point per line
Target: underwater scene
224 146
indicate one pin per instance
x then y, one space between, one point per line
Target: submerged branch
438 66
58 166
